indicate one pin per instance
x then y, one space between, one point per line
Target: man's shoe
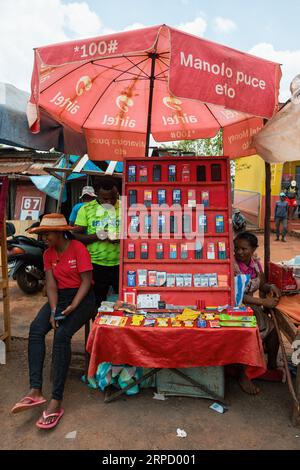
283 240
277 240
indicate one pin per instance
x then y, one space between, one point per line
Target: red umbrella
114 91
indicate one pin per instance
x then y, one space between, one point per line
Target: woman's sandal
58 415
20 406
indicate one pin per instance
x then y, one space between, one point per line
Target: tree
203 147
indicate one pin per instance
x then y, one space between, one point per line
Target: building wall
249 188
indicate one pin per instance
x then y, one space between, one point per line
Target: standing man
281 217
88 194
292 195
98 227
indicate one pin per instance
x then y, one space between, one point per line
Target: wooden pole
267 232
62 187
150 105
5 288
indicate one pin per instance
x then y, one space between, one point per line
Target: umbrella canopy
114 91
279 141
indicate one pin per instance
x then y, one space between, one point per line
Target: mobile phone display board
176 245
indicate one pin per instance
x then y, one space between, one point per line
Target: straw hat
52 223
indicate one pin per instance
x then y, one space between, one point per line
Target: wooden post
150 103
267 232
5 289
62 187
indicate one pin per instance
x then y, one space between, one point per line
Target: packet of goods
245 311
137 320
109 320
123 321
188 315
250 324
209 316
149 322
162 322
214 324
125 307
175 323
236 318
201 323
101 320
115 321
188 324
107 307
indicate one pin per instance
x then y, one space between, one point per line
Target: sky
266 28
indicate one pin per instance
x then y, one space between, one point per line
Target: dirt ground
140 422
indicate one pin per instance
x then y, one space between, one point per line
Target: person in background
292 195
88 194
68 271
281 217
245 245
98 226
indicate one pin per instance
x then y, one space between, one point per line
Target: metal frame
109 397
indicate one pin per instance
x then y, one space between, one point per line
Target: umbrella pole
62 187
267 232
151 92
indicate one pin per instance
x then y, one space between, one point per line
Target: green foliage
202 147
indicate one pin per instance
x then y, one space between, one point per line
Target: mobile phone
176 196
216 172
132 173
58 316
187 223
172 173
161 197
173 224
148 223
132 197
201 173
157 173
143 174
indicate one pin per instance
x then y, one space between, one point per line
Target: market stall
176 251
117 91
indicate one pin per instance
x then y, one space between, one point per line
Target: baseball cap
282 194
88 191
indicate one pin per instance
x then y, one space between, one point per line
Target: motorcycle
238 222
25 261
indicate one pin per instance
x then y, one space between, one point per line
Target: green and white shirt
95 218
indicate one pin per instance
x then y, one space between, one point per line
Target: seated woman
68 271
246 262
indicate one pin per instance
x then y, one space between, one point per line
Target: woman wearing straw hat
71 303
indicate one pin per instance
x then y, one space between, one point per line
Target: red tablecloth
176 347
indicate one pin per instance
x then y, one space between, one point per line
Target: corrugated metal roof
23 168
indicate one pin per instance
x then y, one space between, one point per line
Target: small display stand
177 234
5 334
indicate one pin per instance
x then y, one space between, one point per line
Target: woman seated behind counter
69 290
245 245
